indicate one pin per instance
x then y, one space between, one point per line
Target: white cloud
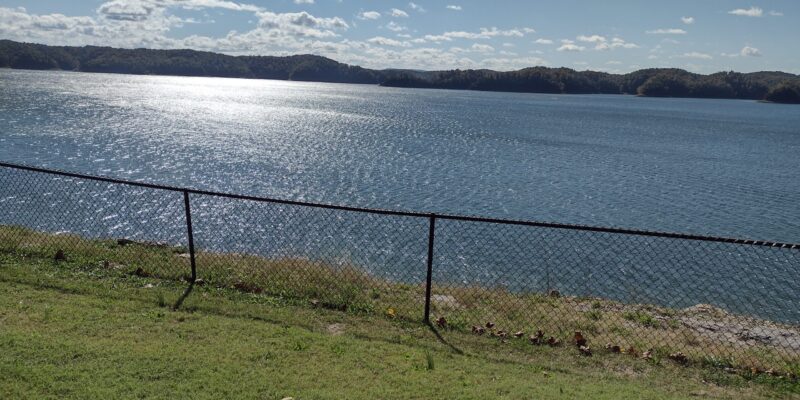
482 48
601 43
612 62
380 40
569 45
369 15
776 13
398 13
616 43
395 27
300 24
509 64
416 7
201 4
748 51
508 44
750 12
696 55
670 31
543 41
122 10
687 20
303 1
484 33
454 7
591 39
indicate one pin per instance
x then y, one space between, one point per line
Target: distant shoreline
770 86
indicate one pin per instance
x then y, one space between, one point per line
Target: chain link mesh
649 294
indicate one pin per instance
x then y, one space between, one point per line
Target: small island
769 86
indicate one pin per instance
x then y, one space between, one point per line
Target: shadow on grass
442 340
183 297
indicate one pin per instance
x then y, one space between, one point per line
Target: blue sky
615 36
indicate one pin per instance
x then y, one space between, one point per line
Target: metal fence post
188 209
431 234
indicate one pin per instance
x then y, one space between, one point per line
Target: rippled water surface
717 167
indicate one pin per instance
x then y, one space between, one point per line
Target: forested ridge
657 82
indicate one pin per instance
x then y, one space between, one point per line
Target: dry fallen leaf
579 339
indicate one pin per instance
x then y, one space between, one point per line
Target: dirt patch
716 323
446 301
335 329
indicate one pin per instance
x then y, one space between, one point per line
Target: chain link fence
690 298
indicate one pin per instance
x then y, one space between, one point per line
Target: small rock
60 256
140 272
631 351
585 350
554 293
199 282
148 286
648 355
519 334
441 322
478 330
501 334
490 325
535 340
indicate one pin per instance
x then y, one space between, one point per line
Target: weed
429 365
594 315
160 299
642 318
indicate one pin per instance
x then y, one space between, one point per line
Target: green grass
88 328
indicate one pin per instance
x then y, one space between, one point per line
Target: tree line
657 82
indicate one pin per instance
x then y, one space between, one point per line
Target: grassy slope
68 332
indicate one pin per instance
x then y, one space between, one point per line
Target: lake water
716 167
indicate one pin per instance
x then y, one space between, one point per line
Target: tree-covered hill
180 62
657 82
647 82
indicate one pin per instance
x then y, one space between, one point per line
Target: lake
715 167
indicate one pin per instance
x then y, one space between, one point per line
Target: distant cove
772 86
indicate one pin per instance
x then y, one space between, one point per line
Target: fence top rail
588 228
